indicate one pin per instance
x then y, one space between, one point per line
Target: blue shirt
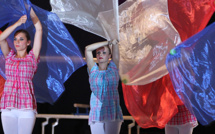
104 101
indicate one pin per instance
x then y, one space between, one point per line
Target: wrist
16 24
109 42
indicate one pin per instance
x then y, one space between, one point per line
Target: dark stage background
77 91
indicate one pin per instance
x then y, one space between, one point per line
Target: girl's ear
29 42
109 56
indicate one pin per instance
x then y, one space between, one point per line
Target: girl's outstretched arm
3 36
38 34
115 52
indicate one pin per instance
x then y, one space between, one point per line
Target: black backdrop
77 91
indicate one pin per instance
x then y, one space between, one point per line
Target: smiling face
103 54
21 42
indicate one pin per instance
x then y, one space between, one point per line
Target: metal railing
77 115
72 116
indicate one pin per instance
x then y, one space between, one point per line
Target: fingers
115 41
23 18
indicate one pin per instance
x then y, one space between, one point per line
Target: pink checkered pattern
18 90
182 117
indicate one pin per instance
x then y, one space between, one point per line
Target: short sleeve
31 53
112 65
11 53
94 68
34 61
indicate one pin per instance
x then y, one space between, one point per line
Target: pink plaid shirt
182 117
18 90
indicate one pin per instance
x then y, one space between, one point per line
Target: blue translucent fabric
60 55
192 71
2 64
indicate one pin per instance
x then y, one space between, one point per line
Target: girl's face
21 42
103 54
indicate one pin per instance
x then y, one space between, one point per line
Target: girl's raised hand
22 20
115 42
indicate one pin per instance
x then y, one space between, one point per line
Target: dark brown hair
107 47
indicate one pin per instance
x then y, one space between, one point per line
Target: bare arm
4 47
89 55
3 43
115 52
38 34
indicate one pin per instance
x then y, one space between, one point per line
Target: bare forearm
94 46
36 21
115 52
8 31
38 34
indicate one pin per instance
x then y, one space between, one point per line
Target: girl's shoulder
93 69
11 53
112 65
31 54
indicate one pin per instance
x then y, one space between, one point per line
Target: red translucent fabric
2 81
150 104
154 104
190 16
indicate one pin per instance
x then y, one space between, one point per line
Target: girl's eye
20 39
104 52
98 52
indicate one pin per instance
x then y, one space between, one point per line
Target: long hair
27 36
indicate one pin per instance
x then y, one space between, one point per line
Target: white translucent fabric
83 13
146 37
143 26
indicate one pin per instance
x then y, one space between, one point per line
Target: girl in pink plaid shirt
18 104
105 111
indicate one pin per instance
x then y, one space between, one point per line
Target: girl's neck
21 54
103 66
